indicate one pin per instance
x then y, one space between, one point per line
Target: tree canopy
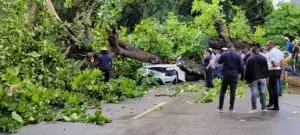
44 46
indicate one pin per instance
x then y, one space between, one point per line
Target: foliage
98 118
129 87
37 83
88 82
259 35
147 78
256 11
208 14
283 21
127 67
108 13
186 87
239 28
170 39
30 103
137 10
149 36
211 95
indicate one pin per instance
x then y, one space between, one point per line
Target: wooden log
148 110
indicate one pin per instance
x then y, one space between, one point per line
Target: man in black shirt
232 65
256 74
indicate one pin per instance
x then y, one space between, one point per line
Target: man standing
295 54
105 63
218 67
208 68
232 64
213 59
256 74
243 55
275 66
247 55
288 45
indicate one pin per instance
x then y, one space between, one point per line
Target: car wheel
160 81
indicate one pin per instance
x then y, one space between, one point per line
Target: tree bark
119 47
32 11
70 32
223 32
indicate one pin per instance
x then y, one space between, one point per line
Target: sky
275 2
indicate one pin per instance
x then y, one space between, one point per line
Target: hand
276 65
282 77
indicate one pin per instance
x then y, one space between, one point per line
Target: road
179 117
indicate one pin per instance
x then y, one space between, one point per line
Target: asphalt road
179 117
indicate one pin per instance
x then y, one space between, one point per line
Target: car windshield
158 69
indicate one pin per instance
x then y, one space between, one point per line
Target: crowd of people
262 68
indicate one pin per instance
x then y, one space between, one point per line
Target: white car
165 73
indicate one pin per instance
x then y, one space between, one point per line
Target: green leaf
14 71
17 117
107 120
34 54
66 118
98 113
74 117
31 119
35 98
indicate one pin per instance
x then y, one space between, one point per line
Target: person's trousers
228 80
279 86
243 73
106 74
274 75
209 78
294 64
261 86
217 71
290 70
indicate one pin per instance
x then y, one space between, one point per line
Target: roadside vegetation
44 75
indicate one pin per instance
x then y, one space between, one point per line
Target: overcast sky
275 2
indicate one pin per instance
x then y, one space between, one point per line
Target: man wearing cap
288 45
105 63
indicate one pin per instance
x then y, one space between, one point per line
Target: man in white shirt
275 66
213 59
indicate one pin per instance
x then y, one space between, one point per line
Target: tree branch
223 31
52 10
32 12
70 32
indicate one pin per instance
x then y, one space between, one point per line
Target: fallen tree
118 47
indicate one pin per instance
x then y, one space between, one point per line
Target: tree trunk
145 9
118 47
32 11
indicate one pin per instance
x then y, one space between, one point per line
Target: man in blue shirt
288 45
208 69
232 65
105 63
